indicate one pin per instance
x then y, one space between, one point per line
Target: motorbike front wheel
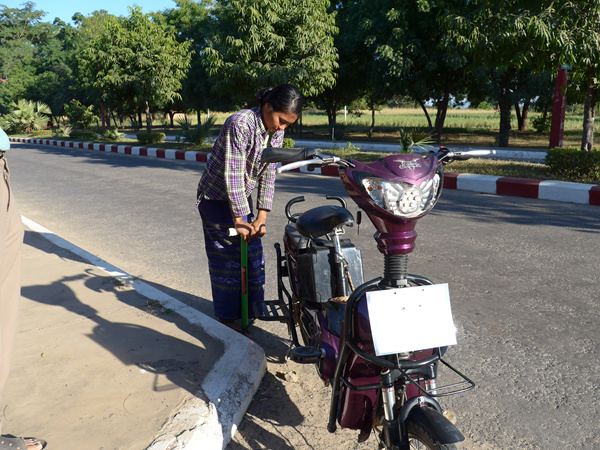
420 438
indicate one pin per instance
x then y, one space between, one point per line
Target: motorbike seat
323 220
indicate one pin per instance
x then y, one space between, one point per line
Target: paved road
522 274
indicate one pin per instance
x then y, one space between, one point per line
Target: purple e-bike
378 343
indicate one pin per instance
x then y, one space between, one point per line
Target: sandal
9 442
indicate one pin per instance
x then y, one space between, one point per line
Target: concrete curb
587 194
229 386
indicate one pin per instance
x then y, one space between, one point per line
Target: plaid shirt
234 166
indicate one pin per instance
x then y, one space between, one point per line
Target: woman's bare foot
11 442
33 444
235 326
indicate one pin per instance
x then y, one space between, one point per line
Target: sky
64 9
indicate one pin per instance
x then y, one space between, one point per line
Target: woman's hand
259 225
244 229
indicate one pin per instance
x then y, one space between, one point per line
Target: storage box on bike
317 270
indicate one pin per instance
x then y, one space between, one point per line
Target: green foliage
113 134
19 30
409 139
84 135
135 61
572 163
64 132
150 138
79 115
541 124
41 133
288 143
26 115
485 105
260 43
196 134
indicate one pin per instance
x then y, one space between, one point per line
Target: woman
224 196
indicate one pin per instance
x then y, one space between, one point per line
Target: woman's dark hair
283 98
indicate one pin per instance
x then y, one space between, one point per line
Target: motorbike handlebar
446 156
286 155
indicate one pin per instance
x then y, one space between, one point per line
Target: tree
431 66
260 43
18 37
138 59
194 23
503 37
580 20
53 76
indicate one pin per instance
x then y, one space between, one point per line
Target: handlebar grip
480 152
297 164
281 155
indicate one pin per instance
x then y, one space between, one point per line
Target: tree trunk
331 109
440 115
589 115
524 116
505 104
198 116
171 118
148 117
424 108
518 113
372 120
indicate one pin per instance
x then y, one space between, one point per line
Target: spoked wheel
420 438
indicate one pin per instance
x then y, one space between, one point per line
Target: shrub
573 163
80 116
196 134
150 138
411 138
113 134
288 143
84 135
41 133
542 124
63 132
26 116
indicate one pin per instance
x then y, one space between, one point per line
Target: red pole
557 129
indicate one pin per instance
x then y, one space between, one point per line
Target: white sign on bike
411 319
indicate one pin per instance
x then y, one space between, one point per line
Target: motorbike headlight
403 199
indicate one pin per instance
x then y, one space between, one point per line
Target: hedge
41 133
83 135
150 138
575 164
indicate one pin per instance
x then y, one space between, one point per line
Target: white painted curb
229 387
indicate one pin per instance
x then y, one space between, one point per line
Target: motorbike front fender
434 421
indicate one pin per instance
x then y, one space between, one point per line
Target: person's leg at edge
11 244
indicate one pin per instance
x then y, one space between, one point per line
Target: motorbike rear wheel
420 438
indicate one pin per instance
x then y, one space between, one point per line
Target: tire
421 438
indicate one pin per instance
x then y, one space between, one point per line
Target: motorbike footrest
270 310
306 354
